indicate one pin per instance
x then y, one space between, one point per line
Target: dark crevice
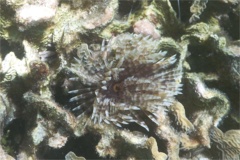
202 59
13 136
83 146
231 23
127 7
16 47
182 9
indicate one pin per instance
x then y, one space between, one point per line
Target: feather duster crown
128 78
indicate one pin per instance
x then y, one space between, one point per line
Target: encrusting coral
119 79
72 156
228 143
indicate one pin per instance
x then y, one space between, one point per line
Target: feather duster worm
128 79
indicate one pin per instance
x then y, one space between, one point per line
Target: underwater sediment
119 79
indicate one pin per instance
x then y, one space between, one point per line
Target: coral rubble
119 79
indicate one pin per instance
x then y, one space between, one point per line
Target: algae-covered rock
86 16
4 155
196 9
50 109
7 110
212 106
